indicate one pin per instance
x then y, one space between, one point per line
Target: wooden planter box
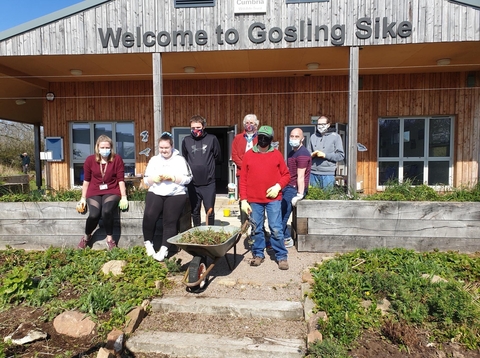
40 225
343 226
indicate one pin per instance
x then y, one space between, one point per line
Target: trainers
111 244
84 242
149 248
161 254
283 265
288 242
256 261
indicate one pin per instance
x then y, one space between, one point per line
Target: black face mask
264 141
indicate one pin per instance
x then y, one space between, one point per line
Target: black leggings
101 206
170 208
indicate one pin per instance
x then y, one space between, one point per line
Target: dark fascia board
54 16
472 3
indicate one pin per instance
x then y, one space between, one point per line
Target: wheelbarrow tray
212 251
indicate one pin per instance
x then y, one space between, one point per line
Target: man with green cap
264 174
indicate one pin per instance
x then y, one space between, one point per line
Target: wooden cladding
276 102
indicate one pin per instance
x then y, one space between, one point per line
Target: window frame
303 1
93 139
182 4
426 158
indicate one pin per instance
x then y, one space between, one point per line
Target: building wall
276 102
432 21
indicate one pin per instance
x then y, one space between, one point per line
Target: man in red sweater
241 144
264 174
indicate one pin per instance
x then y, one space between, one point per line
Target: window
84 137
418 149
302 1
194 3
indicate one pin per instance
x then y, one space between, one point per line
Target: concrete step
285 310
192 345
200 345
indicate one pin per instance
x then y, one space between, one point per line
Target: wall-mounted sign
250 6
54 145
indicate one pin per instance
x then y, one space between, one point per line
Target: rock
307 276
114 266
308 307
26 333
73 324
312 332
105 353
384 306
434 278
134 318
115 340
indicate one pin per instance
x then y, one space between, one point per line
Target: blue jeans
274 214
322 181
288 193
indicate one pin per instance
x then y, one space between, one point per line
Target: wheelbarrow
196 276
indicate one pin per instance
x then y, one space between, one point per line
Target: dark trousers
101 206
170 208
205 194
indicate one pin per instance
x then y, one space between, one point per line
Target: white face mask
322 128
294 143
104 152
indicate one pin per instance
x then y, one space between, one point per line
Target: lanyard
102 171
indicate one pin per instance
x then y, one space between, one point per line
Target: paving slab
213 346
244 308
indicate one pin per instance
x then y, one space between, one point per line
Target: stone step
286 310
238 313
177 344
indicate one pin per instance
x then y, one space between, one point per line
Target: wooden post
158 120
352 121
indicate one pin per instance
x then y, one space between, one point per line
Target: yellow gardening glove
157 179
123 204
318 153
82 205
245 206
168 177
273 191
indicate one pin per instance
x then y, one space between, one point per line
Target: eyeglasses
168 134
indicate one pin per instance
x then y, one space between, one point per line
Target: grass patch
64 279
447 308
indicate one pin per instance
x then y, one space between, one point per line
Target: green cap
266 130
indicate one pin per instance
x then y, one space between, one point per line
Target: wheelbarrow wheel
196 268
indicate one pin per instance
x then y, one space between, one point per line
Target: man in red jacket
264 174
241 144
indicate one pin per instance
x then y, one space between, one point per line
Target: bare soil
265 282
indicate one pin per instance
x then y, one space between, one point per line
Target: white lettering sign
250 6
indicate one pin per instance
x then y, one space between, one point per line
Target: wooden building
402 75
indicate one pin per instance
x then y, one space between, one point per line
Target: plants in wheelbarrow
205 237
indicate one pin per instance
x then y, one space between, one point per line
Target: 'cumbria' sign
258 33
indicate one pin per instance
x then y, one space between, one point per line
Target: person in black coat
202 151
25 162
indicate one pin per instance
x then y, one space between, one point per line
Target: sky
17 12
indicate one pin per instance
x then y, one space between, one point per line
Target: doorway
222 169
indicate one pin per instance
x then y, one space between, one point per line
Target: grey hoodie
331 144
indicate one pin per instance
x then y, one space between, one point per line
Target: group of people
269 187
169 176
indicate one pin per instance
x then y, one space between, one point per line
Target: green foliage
335 193
396 191
327 348
65 279
448 307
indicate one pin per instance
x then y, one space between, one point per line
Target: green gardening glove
123 204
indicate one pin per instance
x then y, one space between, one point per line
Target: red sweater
261 171
114 173
238 149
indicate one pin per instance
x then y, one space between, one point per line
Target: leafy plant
447 307
65 279
205 237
